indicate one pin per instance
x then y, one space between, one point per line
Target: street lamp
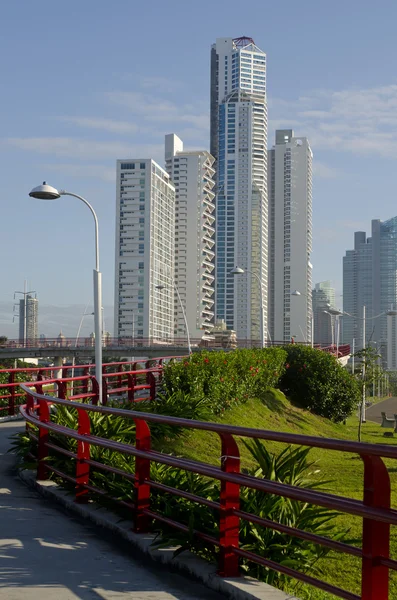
239 271
332 328
298 293
162 287
47 192
335 311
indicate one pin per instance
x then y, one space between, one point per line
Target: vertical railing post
131 379
142 475
105 392
120 379
42 452
83 454
147 366
11 401
229 502
39 386
61 385
376 534
95 391
84 386
152 383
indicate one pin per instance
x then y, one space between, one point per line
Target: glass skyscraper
370 280
323 297
239 145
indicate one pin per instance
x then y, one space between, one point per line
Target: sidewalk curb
243 588
9 418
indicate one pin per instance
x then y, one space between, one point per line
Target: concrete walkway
45 554
389 406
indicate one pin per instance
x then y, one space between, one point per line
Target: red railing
342 350
374 509
11 396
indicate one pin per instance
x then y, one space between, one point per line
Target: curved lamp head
237 271
45 192
160 287
391 313
336 313
296 293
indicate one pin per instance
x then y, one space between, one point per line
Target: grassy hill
343 470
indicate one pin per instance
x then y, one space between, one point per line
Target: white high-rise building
192 174
290 238
145 254
32 314
239 145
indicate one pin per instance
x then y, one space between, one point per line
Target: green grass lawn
343 469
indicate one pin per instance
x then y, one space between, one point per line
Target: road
46 554
389 406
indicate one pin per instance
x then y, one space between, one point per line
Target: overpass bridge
126 347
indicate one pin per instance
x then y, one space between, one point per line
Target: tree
367 374
317 381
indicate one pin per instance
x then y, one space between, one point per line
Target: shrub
290 466
315 380
226 378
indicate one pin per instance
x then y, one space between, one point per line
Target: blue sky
85 83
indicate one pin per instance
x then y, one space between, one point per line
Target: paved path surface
48 555
389 406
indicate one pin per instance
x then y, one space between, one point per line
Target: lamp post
332 328
162 287
47 192
334 312
298 293
239 271
337 312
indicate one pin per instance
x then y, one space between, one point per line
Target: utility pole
363 417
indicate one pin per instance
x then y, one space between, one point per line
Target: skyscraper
239 145
192 174
32 315
323 296
290 237
145 253
370 280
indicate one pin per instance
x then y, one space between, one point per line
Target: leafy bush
315 380
226 378
18 377
292 467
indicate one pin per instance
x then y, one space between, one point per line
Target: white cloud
160 84
153 109
110 125
362 121
100 172
142 104
86 149
353 225
323 171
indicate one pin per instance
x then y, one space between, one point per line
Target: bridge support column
58 362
